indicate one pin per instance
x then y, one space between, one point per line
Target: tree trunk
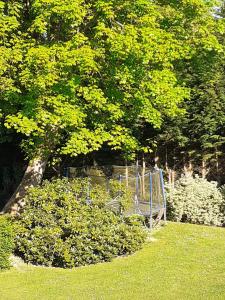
143 178
32 177
127 176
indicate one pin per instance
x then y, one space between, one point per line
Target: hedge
6 242
197 201
59 228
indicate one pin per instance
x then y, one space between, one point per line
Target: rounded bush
59 227
197 201
6 242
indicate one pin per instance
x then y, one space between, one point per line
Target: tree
198 135
77 74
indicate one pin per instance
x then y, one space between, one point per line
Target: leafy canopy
76 74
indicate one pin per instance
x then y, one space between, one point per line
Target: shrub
58 227
6 242
115 196
222 190
197 201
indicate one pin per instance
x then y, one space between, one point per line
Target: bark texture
32 177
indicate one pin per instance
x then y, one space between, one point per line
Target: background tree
77 74
198 135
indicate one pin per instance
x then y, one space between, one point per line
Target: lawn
182 262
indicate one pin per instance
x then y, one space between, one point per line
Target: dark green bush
59 228
6 242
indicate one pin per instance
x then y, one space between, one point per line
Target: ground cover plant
61 227
183 261
6 242
196 200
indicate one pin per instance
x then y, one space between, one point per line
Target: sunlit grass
182 262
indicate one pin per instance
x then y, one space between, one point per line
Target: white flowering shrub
196 200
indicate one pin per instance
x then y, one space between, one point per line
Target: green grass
183 262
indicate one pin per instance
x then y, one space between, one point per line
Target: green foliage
197 201
59 227
199 134
92 72
6 242
190 257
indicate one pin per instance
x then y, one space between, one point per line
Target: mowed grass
182 262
